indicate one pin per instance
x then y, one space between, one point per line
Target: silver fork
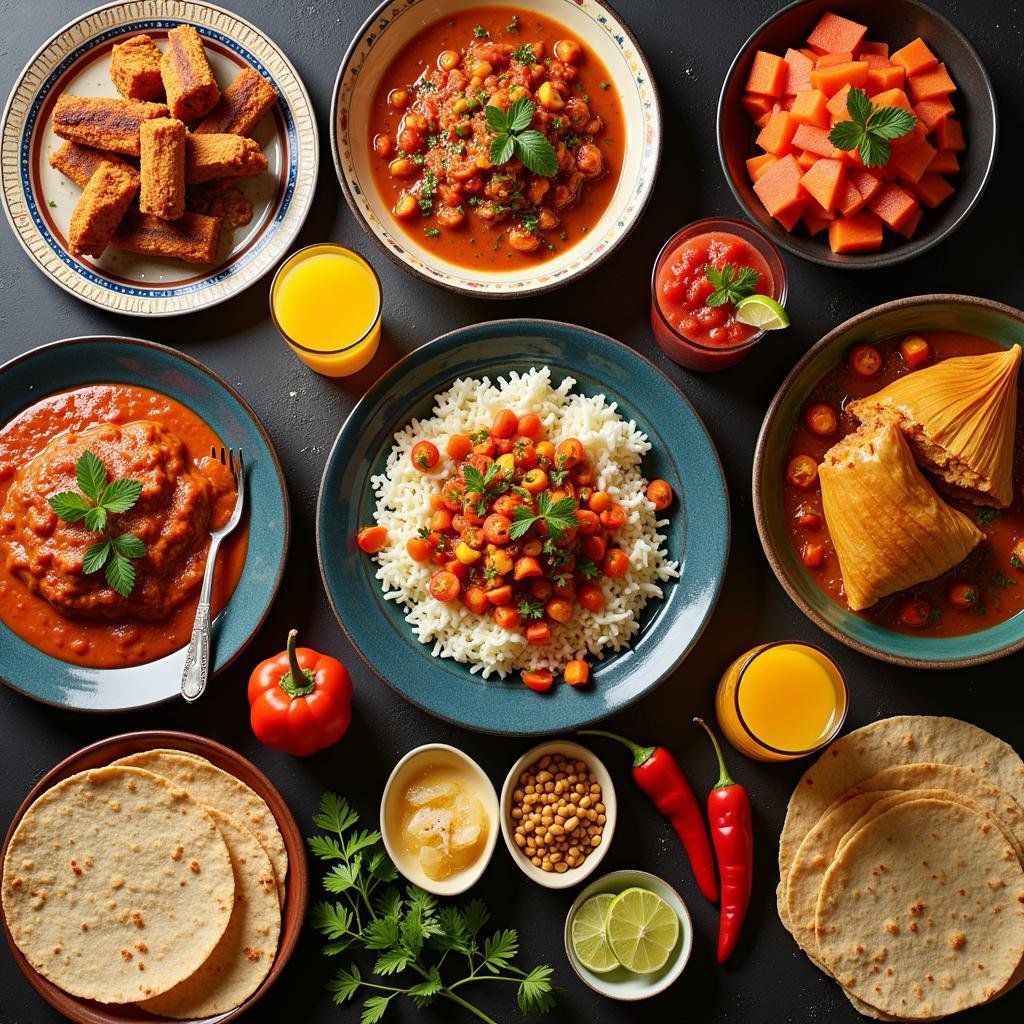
197 658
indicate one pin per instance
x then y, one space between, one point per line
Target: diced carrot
823 181
816 141
892 98
757 165
932 190
798 72
915 57
882 79
777 135
809 108
790 217
850 201
874 60
910 162
908 229
767 74
836 34
814 223
865 182
894 205
861 233
826 60
945 162
756 106
927 85
950 135
931 113
837 105
867 47
779 187
830 80
806 159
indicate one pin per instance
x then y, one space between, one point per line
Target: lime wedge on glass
761 311
642 930
589 942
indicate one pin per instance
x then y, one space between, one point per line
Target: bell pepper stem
641 755
297 681
724 779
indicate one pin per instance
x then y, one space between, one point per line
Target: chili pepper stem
640 754
724 778
291 681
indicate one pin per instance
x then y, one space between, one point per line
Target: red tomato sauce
990 569
113 643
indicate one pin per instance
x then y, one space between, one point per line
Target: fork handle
197 657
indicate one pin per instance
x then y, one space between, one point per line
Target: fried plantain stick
79 163
193 237
102 205
241 107
188 79
221 156
135 69
103 123
162 168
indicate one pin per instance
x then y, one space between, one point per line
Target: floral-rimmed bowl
597 26
38 200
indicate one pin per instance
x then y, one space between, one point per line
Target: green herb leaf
345 984
858 106
503 147
535 991
375 1007
335 814
530 609
870 131
334 920
891 122
986 515
96 556
497 120
70 506
120 575
128 545
423 994
120 496
524 54
846 135
520 115
730 285
96 519
91 475
499 949
536 153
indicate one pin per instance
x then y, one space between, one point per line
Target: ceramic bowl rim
906 250
768 426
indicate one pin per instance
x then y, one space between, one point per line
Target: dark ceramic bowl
1003 325
293 913
896 22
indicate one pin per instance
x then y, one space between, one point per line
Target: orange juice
326 301
781 701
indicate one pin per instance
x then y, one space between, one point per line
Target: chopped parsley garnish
987 515
530 609
603 85
432 232
731 285
428 189
529 222
524 54
480 32
572 140
480 436
513 26
585 567
513 137
1016 563
558 516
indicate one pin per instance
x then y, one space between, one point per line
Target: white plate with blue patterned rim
38 200
598 27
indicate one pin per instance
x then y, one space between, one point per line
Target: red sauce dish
691 333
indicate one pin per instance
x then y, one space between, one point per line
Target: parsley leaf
558 516
730 285
870 130
514 137
530 609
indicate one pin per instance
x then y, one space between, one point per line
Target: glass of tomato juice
690 332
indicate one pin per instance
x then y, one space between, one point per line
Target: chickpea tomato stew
497 138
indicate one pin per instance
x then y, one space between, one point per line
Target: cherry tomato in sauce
496 529
444 585
590 596
506 423
822 419
506 616
802 471
599 501
915 614
531 426
538 633
808 517
372 538
475 599
540 679
659 494
594 547
865 360
425 455
500 595
458 447
588 521
613 517
616 563
419 548
962 595
559 609
570 452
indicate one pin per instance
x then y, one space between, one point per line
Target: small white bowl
401 775
552 879
620 983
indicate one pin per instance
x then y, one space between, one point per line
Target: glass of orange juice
781 701
326 301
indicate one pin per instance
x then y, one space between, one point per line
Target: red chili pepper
658 774
733 836
300 700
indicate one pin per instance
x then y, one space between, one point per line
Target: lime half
761 311
589 942
642 930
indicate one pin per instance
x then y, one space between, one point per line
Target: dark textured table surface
689 46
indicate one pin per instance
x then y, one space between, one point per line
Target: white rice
614 449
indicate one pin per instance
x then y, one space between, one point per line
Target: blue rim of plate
698 537
110 359
201 287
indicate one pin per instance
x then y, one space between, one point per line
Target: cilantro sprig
513 137
558 516
731 284
870 131
405 934
93 505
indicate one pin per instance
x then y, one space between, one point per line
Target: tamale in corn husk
889 528
960 418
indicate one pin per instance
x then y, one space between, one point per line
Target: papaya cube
814 223
761 121
931 113
874 60
875 49
790 217
910 162
859 233
831 79
815 140
915 57
950 135
810 108
757 106
849 200
836 34
945 162
894 205
815 208
908 229
881 79
777 135
826 60
798 72
864 181
927 85
757 165
891 98
767 74
823 182
932 190
837 105
779 187
806 159
914 137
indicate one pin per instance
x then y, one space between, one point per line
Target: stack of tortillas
156 880
902 868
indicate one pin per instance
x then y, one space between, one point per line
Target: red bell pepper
300 700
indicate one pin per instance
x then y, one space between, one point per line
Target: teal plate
76 362
683 454
1003 325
